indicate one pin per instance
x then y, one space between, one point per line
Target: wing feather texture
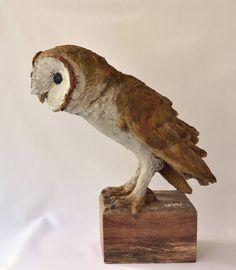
152 119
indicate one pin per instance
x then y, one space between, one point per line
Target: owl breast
103 115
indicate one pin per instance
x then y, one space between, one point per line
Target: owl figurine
78 81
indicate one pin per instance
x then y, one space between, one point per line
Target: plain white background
54 165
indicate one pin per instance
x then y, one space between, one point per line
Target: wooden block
164 231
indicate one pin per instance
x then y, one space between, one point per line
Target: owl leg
122 190
137 198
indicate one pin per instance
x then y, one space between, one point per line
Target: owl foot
123 190
134 201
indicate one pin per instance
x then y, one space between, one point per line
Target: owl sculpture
76 80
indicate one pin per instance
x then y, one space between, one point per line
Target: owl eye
57 78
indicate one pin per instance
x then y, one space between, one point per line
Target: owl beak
42 97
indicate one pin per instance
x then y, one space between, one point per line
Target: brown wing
153 120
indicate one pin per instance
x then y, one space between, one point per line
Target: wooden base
164 231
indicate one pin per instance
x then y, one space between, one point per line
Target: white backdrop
54 165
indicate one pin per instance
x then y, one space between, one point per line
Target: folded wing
152 119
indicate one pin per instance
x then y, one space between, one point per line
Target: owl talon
121 202
134 202
118 191
113 199
137 206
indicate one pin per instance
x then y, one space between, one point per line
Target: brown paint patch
35 57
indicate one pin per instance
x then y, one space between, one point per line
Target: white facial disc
45 73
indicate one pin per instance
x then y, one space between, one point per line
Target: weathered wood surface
164 231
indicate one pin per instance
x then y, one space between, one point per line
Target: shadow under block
165 231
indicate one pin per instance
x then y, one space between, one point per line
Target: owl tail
179 180
175 179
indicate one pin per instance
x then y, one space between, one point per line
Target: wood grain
164 231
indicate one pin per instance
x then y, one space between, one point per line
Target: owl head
67 73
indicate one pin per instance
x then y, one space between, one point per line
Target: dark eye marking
57 78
